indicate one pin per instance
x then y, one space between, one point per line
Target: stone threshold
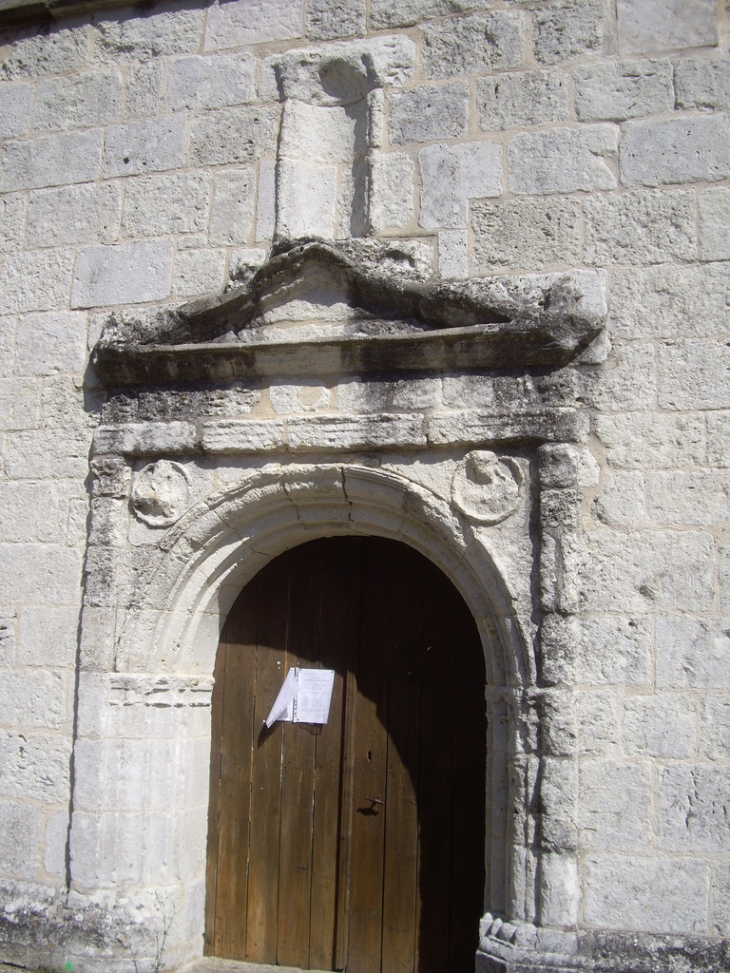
212 964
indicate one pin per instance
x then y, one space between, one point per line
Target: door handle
375 800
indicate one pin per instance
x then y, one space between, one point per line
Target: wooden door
358 845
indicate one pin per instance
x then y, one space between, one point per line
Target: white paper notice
283 707
312 702
305 697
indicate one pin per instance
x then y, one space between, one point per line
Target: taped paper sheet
304 697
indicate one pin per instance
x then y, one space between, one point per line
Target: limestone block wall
143 160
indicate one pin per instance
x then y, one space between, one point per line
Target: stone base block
522 948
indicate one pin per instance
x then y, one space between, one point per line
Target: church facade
386 341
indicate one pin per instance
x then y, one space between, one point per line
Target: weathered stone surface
320 133
131 36
166 204
139 147
309 396
702 82
615 651
234 197
693 802
453 254
34 698
74 214
662 895
338 74
405 13
687 148
144 88
493 41
15 101
698 497
266 202
36 280
243 435
51 342
78 101
47 454
146 438
245 22
390 199
52 161
522 98
317 184
650 441
626 382
370 397
199 272
355 432
18 406
613 91
714 208
670 302
528 234
569 29
660 726
327 20
428 113
12 221
60 48
232 135
614 805
199 83
33 512
48 636
40 574
643 226
451 176
8 625
718 439
558 795
563 160
597 714
692 653
662 25
646 571
21 828
128 274
694 375
622 502
715 727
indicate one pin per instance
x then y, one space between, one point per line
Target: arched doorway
358 845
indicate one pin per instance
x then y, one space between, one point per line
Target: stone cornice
401 322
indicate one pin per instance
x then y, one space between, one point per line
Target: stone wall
138 167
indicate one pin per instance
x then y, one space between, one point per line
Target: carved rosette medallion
160 494
486 487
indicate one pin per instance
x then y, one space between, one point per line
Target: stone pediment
355 307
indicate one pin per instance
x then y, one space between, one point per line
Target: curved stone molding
486 488
160 493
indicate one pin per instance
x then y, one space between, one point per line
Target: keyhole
370 754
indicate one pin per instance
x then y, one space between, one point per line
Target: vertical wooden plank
334 556
469 747
263 870
347 773
236 691
214 803
435 775
370 743
403 670
297 778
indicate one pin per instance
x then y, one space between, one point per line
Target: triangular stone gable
357 306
